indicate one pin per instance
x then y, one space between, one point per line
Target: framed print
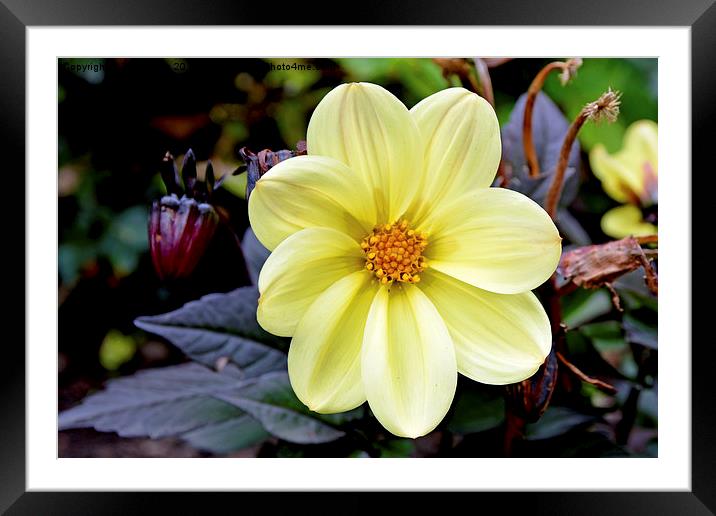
425 257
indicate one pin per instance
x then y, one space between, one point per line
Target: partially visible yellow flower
629 176
626 220
394 263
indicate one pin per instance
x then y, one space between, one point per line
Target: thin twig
559 331
616 301
651 278
603 386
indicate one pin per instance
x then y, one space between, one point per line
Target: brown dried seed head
605 107
570 70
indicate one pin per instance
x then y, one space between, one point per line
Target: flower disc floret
394 252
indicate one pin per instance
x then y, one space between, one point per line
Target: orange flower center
394 252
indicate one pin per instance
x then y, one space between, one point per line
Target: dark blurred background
117 120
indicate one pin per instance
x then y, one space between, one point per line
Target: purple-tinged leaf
221 327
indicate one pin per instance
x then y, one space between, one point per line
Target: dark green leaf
649 403
477 409
396 448
221 326
214 411
571 228
639 332
603 330
585 305
615 351
270 400
557 421
634 292
224 326
227 436
389 448
156 403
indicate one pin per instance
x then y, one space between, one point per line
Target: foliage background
116 124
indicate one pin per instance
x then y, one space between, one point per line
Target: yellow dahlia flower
626 220
395 265
629 176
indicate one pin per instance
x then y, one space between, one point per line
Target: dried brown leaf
595 266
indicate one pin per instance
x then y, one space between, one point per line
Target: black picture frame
17 15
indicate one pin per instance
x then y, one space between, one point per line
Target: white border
670 471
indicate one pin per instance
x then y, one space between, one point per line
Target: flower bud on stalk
183 222
260 163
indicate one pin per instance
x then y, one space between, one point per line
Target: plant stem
493 62
629 410
534 89
514 431
485 82
559 330
606 107
649 239
555 189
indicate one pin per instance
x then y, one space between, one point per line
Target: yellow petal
324 358
629 175
310 191
369 129
299 269
462 144
642 140
624 221
495 239
617 179
409 368
499 338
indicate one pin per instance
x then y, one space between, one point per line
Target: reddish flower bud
179 232
182 223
